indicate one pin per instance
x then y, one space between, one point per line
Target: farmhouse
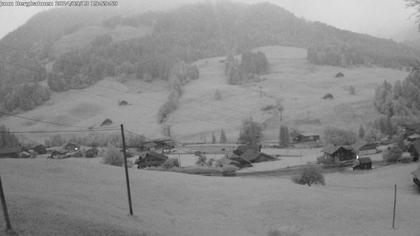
339 153
11 152
150 158
364 148
238 161
255 156
40 149
413 137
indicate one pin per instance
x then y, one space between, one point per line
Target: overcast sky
383 18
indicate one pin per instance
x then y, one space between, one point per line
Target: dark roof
363 160
251 155
331 149
10 150
155 155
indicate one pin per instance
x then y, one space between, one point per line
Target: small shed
149 159
339 153
364 148
339 75
362 163
123 103
106 122
10 152
328 96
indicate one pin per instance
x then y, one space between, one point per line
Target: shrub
113 156
309 175
392 154
170 163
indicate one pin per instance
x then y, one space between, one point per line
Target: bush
339 137
113 156
392 154
309 175
170 163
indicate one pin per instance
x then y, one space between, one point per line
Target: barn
255 156
149 159
362 163
339 153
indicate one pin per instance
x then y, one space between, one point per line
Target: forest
186 34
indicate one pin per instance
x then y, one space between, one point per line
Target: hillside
82 197
83 47
299 84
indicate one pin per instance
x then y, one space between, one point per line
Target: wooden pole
395 206
126 170
4 206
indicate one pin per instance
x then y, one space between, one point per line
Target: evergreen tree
213 138
361 132
223 138
250 133
284 137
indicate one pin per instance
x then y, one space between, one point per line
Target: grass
292 79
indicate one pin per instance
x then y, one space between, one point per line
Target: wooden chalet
162 145
339 153
150 158
10 152
256 157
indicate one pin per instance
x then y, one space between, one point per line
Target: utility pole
395 206
4 206
126 170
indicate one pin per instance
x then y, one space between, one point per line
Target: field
85 197
298 84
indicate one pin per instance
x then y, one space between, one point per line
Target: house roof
331 149
156 155
251 155
414 136
363 160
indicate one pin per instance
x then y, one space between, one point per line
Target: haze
387 19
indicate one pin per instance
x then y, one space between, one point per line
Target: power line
58 131
42 121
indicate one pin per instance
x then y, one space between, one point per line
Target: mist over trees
398 103
187 34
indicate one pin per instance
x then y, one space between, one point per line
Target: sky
382 18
